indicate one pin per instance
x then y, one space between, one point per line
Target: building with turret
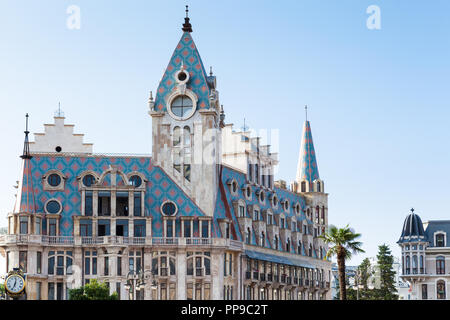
201 218
425 249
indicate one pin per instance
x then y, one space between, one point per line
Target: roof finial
187 27
210 71
26 144
412 210
306 112
222 117
59 113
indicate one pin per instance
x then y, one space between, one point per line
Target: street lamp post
136 280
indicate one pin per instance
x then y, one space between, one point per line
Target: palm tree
343 245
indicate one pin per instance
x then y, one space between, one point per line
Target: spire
187 27
186 57
26 144
307 164
25 196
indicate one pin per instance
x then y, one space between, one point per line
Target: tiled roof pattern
185 53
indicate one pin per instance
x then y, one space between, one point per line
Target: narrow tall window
137 205
440 265
88 201
23 261
23 225
205 227
440 240
38 262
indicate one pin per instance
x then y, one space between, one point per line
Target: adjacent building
425 250
201 218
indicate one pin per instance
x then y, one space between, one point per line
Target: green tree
2 290
365 272
343 245
385 263
93 290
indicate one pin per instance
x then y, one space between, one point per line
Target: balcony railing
198 241
418 271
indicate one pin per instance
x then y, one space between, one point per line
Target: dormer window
88 180
440 240
54 180
169 208
241 211
269 219
135 181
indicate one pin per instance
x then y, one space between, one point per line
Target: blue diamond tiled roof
307 166
185 53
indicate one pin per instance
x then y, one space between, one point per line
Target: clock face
15 284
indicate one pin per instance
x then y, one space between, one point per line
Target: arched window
275 240
176 136
198 264
163 263
440 240
263 239
318 187
414 264
421 264
408 265
288 245
317 214
303 186
299 247
310 250
440 265
323 215
249 236
187 136
440 289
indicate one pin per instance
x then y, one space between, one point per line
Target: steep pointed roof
307 163
25 201
186 55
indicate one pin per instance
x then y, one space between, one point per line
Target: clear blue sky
379 99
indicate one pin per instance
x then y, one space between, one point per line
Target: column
217 275
181 274
131 227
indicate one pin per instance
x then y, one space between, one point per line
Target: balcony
300 282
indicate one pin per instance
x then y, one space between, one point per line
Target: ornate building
425 249
202 218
